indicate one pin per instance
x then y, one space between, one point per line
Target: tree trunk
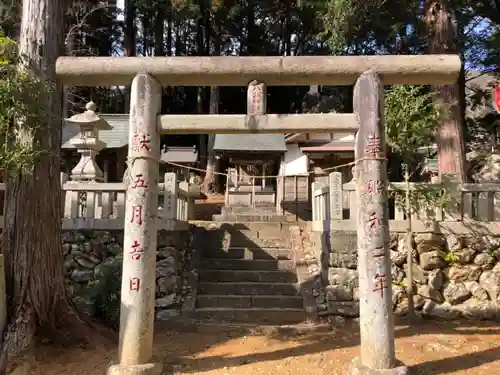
32 240
69 92
169 92
129 32
203 48
159 38
442 39
129 29
146 32
169 33
159 31
210 182
251 42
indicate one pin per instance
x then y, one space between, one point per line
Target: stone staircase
247 274
261 212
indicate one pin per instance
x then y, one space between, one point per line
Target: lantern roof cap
89 118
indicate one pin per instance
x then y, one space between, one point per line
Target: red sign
496 97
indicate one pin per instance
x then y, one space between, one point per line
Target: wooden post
140 234
374 267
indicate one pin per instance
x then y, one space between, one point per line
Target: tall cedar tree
442 40
32 238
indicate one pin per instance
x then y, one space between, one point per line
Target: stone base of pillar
146 369
357 368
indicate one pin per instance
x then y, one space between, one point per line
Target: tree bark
169 33
129 32
32 240
203 49
159 31
69 92
442 39
251 40
210 182
146 32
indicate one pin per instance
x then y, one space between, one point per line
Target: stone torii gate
148 74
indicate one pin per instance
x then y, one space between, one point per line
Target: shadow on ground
194 352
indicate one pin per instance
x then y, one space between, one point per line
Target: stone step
255 217
264 209
252 315
242 231
261 234
242 264
239 302
247 225
247 288
236 276
224 238
248 253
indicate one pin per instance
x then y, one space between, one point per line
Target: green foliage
411 119
10 12
22 110
402 284
451 257
7 50
340 19
421 196
104 290
368 27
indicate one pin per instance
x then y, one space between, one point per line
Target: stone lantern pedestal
88 144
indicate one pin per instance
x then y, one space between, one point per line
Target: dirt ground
430 348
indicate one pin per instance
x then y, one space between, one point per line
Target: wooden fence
465 208
101 206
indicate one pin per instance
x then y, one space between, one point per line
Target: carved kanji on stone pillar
139 244
374 267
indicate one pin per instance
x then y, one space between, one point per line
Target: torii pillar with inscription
374 264
137 311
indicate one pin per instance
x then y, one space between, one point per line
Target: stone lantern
87 143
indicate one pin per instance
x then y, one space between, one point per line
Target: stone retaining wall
454 276
93 266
